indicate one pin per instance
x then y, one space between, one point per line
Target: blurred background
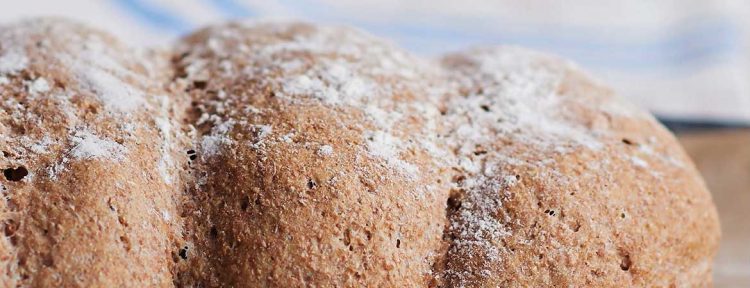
688 61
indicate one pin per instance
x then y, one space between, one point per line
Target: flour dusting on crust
12 61
87 145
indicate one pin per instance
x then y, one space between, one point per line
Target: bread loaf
288 154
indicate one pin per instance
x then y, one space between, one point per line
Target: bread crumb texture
262 154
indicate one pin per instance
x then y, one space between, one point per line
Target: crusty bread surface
290 155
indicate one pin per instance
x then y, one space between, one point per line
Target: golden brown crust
91 210
291 186
297 155
611 200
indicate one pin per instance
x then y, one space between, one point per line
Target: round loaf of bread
289 155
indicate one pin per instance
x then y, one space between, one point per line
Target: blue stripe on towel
232 8
696 42
692 46
154 16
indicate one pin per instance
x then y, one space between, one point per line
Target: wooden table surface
723 157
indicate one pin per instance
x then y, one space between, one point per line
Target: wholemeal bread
289 154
